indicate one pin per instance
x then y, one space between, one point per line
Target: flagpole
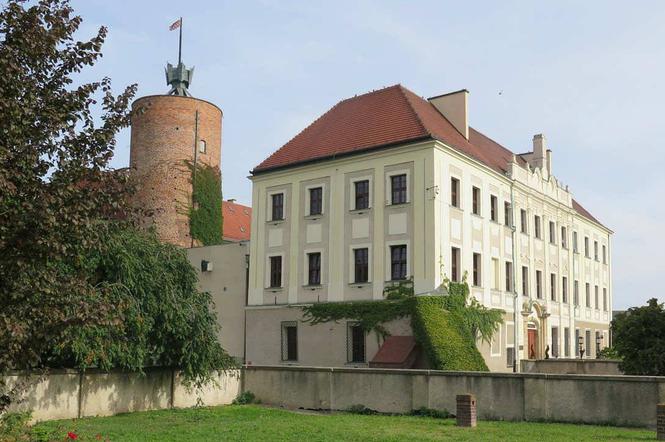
180 44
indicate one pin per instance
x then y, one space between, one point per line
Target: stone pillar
660 421
466 410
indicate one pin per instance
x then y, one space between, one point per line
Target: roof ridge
375 91
403 91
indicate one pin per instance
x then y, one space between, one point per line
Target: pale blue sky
587 74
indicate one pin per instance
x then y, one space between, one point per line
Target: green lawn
257 423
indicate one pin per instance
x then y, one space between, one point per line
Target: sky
588 74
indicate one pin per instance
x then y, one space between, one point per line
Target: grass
257 423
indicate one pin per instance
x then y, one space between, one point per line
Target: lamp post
599 339
580 346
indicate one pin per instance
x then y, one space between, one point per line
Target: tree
166 320
639 338
55 184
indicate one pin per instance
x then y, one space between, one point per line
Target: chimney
549 161
453 106
539 156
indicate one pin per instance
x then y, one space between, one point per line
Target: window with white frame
475 194
315 200
455 264
361 265
398 189
398 262
361 194
494 208
314 268
277 206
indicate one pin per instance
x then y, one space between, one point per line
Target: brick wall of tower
162 140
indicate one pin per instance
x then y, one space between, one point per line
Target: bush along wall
446 324
205 214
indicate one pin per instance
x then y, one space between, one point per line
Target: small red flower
71 435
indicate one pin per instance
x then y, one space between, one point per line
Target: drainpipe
516 314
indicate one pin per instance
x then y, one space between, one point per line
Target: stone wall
618 400
572 366
68 394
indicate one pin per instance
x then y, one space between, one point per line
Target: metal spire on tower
179 77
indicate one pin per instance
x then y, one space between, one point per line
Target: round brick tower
168 132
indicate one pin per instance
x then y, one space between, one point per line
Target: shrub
246 398
609 353
15 427
361 409
431 412
205 217
639 339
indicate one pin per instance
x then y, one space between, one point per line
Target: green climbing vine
205 214
446 323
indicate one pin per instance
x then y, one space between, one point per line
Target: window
507 214
587 339
575 249
202 146
588 295
604 254
314 268
496 275
316 201
539 284
454 264
523 224
275 271
525 281
576 293
495 344
362 194
595 250
476 269
553 286
494 208
289 341
564 289
566 342
564 237
552 232
355 342
604 299
510 356
509 277
586 247
397 262
398 188
361 265
596 304
454 192
277 206
475 193
555 342
536 226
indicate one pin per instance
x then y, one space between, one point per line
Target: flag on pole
176 24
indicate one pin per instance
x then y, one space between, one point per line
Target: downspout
516 350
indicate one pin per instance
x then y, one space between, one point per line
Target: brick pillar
660 422
466 410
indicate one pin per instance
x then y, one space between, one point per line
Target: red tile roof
236 221
396 350
384 118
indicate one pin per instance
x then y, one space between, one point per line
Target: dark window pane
454 192
476 200
361 265
275 271
316 201
278 206
398 186
362 194
398 262
291 343
357 343
454 258
314 268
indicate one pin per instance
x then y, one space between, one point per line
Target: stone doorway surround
534 317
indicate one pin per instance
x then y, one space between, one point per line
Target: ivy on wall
205 214
445 324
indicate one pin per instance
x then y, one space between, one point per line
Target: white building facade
387 186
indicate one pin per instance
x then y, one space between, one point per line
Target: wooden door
532 343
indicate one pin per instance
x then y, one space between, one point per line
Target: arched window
202 146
